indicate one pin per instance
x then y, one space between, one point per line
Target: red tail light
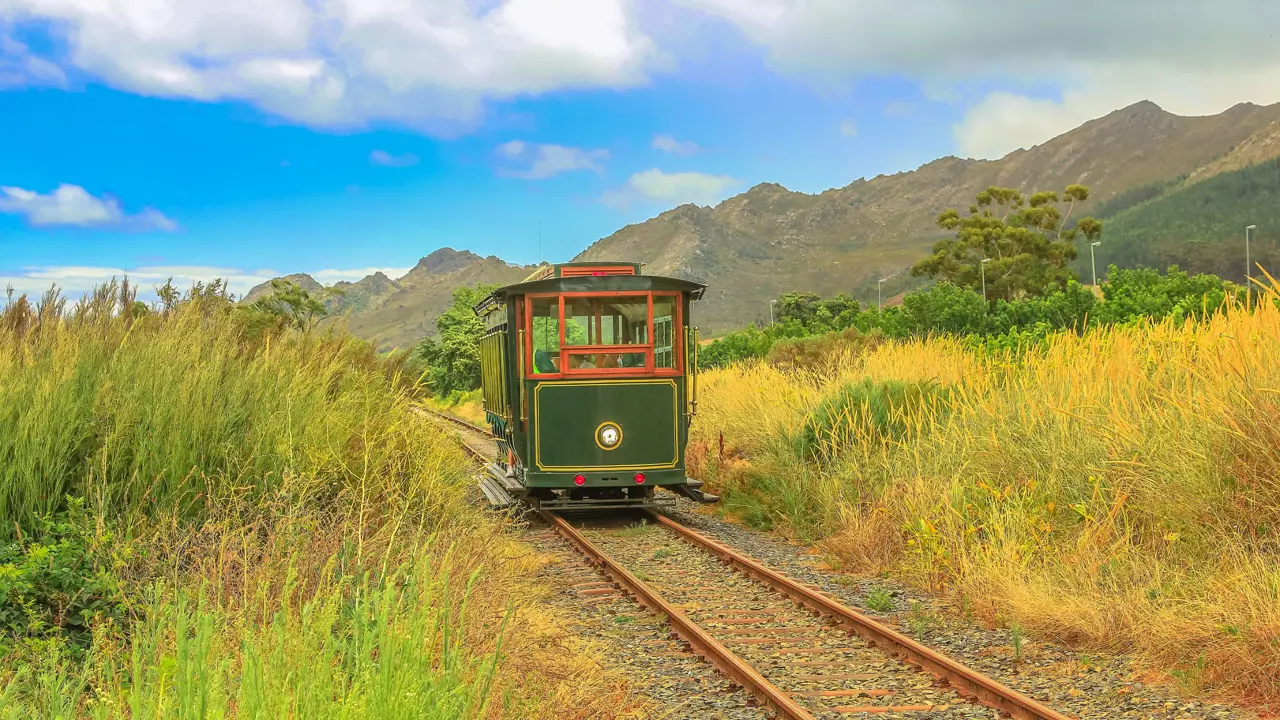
579 480
639 478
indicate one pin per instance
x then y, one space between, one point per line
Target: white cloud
670 188
386 159
849 128
74 281
1191 58
343 63
668 144
544 161
73 205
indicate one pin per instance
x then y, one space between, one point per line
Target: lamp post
1248 266
982 268
771 302
879 303
1093 262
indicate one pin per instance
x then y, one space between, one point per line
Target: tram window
606 321
545 335
664 329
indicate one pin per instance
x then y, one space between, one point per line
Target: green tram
589 380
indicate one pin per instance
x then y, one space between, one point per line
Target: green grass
879 600
162 411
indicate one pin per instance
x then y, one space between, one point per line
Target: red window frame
677 339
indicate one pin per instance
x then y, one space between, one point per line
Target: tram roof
588 283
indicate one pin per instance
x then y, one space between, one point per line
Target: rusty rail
699 640
964 680
474 453
456 421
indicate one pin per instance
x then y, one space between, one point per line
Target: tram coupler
693 491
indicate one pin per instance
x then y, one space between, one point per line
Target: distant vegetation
210 511
945 309
1031 291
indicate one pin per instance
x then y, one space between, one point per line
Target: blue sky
257 137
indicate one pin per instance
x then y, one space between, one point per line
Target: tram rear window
588 334
606 320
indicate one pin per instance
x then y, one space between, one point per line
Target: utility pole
879 303
1094 262
771 302
1248 266
982 270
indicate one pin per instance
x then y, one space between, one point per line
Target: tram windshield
614 332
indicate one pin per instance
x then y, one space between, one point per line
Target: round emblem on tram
608 436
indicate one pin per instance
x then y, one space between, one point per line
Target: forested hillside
1199 227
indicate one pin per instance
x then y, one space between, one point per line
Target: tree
945 308
453 360
1029 241
293 303
809 314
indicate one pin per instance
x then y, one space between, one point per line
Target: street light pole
1093 262
982 268
1248 266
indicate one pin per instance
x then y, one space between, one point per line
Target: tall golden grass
1119 489
289 537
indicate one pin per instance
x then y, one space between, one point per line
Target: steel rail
474 453
702 643
964 680
457 421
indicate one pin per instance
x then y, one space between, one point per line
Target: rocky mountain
305 281
769 240
400 312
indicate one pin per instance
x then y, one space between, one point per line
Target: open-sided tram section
799 651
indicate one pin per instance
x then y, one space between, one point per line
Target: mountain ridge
770 239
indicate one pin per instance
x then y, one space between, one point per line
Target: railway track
798 651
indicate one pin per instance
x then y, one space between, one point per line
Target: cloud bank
1025 70
74 206
339 62
538 162
670 188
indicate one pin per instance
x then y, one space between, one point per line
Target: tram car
589 382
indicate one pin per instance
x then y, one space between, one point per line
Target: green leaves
1025 241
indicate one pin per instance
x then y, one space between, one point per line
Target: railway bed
801 653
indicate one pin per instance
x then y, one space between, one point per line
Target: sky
246 139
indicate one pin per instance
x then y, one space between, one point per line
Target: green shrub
52 585
812 352
880 411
